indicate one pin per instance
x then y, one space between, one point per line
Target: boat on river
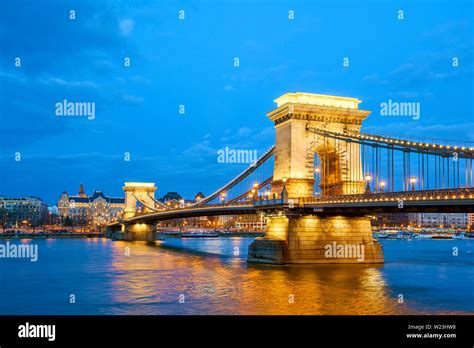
199 234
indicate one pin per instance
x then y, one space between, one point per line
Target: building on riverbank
470 221
454 220
174 200
391 219
95 209
251 222
27 210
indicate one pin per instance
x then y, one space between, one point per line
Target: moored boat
199 235
423 236
442 236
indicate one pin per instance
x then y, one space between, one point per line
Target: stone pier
110 230
143 232
314 239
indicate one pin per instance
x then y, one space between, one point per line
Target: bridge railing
194 207
439 194
270 200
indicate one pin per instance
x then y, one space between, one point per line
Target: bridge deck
452 200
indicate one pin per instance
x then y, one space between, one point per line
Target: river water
211 276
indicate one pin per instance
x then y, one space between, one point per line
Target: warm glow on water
213 277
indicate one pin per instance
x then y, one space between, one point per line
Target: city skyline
137 107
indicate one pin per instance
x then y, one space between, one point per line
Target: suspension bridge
320 182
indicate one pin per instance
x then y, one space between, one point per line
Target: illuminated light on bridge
322 134
382 185
317 99
368 179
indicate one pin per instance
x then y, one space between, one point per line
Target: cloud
30 122
200 150
242 132
464 131
65 83
427 69
245 75
448 32
371 78
250 44
126 27
133 99
53 42
77 60
411 94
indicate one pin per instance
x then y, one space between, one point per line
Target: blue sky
190 62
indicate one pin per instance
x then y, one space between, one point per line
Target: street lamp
284 180
317 170
413 182
382 185
368 179
255 189
222 197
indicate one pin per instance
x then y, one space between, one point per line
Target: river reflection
211 276
221 283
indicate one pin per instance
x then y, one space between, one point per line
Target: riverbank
421 234
202 235
211 234
44 235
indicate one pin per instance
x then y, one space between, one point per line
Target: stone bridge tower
138 191
311 238
341 169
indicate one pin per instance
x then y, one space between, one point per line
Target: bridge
320 182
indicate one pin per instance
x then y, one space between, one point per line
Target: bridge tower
316 238
341 170
138 191
145 193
